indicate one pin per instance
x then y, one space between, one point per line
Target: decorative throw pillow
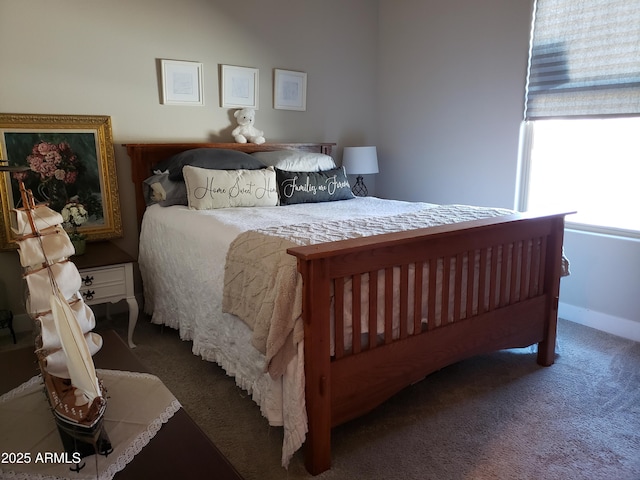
159 189
296 161
311 187
208 189
213 158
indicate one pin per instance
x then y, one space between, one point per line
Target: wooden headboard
145 155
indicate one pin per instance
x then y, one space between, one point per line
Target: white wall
603 290
451 87
100 58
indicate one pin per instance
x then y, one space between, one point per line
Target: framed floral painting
71 161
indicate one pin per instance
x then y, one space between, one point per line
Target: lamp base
359 189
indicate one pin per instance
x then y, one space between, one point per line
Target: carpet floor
497 416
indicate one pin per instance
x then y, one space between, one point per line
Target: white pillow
296 161
208 189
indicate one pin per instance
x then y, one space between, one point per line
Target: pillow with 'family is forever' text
312 187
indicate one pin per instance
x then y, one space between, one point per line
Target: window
591 166
580 147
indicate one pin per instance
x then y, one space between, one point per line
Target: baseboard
622 327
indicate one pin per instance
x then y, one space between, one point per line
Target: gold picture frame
71 158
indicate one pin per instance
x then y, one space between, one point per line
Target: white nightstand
107 277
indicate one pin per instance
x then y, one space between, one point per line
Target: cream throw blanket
263 287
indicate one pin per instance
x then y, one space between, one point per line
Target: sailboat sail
81 369
41 216
52 245
67 279
84 316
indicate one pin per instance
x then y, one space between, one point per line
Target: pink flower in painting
70 177
54 161
43 148
53 157
54 173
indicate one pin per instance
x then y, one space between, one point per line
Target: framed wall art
238 87
289 90
70 159
181 83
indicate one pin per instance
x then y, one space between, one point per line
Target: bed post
553 266
317 363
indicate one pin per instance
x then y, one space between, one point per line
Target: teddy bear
245 131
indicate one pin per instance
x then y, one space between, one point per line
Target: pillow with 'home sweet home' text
313 187
208 189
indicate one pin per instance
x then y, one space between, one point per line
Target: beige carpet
498 416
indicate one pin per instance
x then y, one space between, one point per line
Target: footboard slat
388 305
444 302
373 307
527 258
482 292
457 306
431 294
472 285
516 253
417 301
357 312
404 300
447 293
504 274
494 277
339 317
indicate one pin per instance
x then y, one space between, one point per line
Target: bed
426 296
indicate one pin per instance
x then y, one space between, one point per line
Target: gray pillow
312 187
212 158
158 188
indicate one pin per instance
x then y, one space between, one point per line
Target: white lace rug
137 406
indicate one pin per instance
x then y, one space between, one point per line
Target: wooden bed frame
522 287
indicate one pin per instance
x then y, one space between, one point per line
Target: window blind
584 59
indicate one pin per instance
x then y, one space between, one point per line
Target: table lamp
360 161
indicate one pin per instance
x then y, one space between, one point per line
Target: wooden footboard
498 280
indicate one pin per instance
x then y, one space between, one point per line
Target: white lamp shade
360 160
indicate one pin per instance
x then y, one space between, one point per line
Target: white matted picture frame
181 83
289 90
239 87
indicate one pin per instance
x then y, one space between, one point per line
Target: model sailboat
65 342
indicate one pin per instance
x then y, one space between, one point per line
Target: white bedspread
182 255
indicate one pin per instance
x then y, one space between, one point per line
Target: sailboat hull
81 429
85 445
